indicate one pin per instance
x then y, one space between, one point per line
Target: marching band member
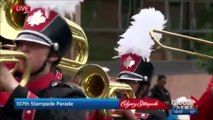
45 39
134 50
97 114
205 104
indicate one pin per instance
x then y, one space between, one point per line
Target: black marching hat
135 46
50 30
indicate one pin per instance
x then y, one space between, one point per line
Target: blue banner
184 111
65 103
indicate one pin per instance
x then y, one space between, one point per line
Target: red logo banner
142 104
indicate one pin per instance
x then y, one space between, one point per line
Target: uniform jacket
163 95
160 94
96 115
205 105
47 86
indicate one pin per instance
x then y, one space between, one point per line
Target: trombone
159 44
90 77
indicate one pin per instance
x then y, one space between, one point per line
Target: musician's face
36 53
133 84
143 91
140 91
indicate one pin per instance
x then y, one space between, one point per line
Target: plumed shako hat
135 46
45 24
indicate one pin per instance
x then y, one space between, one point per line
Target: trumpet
14 56
13 21
90 77
125 90
160 45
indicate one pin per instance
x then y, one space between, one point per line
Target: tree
206 22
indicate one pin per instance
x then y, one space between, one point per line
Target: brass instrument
13 22
10 20
123 89
14 56
96 84
158 44
6 18
14 25
80 44
90 77
120 87
94 80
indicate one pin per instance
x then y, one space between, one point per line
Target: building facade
104 20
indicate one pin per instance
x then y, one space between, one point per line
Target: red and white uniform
205 104
96 115
28 92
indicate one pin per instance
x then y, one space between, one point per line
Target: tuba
14 21
90 77
7 52
94 80
95 83
158 44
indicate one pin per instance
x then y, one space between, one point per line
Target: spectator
160 92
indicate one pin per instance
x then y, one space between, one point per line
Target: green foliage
207 64
206 22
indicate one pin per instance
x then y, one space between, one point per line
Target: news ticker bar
74 103
90 103
184 111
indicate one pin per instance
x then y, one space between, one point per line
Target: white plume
137 39
60 6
